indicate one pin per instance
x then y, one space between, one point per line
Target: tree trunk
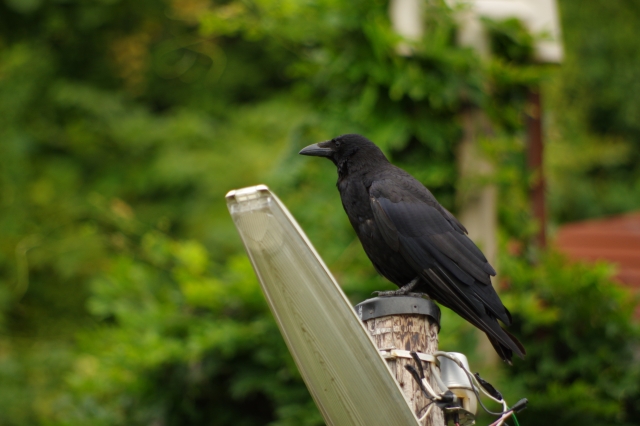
535 158
478 202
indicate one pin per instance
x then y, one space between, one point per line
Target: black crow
412 240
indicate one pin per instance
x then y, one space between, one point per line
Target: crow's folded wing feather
424 235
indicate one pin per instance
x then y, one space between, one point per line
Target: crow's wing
456 271
428 239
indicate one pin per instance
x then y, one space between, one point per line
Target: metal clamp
397 353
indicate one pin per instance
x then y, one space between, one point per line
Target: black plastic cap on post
397 305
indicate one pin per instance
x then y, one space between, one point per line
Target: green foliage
188 348
594 152
125 296
580 366
510 39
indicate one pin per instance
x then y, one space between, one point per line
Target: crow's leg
402 291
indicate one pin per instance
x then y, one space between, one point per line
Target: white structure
406 19
540 17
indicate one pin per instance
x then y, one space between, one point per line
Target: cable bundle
447 399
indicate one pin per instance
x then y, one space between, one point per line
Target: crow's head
345 149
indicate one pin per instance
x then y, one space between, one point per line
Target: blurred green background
125 295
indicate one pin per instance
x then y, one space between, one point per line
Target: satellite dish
344 372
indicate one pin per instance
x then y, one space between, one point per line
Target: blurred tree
594 154
125 297
98 148
581 344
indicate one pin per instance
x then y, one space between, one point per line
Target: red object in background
615 239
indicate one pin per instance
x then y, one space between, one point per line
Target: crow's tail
477 314
506 351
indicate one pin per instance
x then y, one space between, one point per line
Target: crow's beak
321 149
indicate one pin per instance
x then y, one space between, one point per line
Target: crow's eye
337 144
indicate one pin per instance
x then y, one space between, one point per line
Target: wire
502 401
484 407
436 375
418 362
428 407
435 394
425 386
502 418
419 381
515 419
471 381
505 416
